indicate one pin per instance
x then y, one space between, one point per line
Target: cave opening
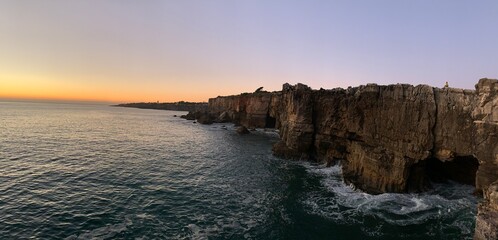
461 169
270 121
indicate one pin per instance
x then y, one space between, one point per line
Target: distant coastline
175 106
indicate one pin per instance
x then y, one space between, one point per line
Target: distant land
175 106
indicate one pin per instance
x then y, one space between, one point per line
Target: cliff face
380 130
485 117
293 111
390 138
487 215
250 110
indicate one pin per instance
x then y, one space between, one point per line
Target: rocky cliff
485 118
175 106
389 138
250 110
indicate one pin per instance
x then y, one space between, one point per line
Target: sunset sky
159 50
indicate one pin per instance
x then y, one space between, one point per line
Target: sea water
89 171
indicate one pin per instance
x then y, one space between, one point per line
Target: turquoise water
76 171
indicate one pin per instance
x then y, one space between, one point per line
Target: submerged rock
189 116
202 117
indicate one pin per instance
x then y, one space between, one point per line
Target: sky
169 50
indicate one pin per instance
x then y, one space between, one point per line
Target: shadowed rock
383 134
391 138
242 130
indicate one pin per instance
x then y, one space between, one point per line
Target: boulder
205 119
189 116
242 130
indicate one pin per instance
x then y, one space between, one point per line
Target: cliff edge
395 138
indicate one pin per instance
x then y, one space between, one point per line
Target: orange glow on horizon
39 88
98 96
101 90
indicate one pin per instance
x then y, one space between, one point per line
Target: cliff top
484 84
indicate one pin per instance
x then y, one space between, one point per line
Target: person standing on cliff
446 85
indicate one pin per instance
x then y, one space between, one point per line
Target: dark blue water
72 171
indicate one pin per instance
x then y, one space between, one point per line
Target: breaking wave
445 210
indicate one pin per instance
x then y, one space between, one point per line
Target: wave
106 232
450 205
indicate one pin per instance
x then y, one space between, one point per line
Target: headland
394 138
175 106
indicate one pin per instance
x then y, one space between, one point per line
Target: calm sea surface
70 171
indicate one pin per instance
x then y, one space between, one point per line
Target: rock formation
175 106
487 215
242 130
485 116
391 138
293 112
247 109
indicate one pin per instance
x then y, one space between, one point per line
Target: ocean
92 171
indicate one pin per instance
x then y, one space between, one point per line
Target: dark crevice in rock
313 151
460 169
418 180
433 129
270 121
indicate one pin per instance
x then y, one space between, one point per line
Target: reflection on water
93 171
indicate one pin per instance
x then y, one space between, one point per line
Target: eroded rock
388 137
383 134
295 112
248 109
487 215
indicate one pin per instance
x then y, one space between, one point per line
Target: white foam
249 212
349 206
145 216
418 205
197 232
